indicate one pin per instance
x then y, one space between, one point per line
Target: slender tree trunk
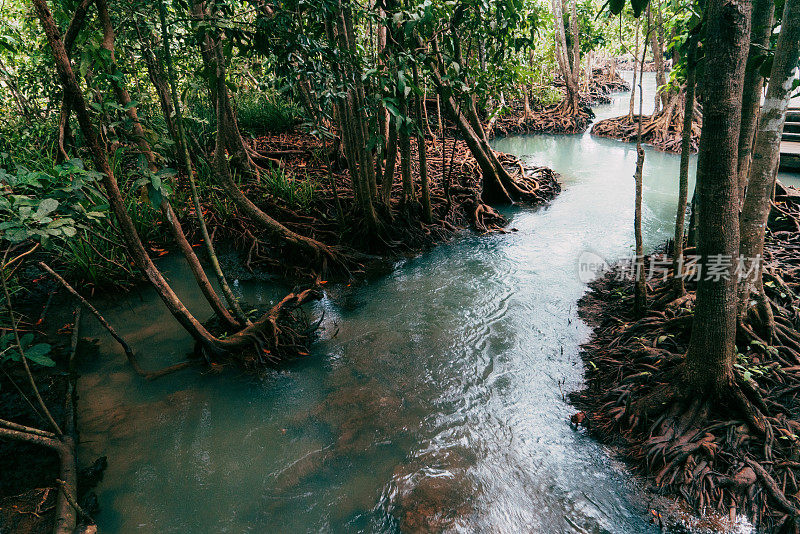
562 57
658 61
70 36
405 151
234 344
760 30
135 246
635 59
391 163
766 157
665 98
640 287
124 99
683 189
576 46
711 352
183 148
422 150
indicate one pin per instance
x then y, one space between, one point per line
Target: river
435 399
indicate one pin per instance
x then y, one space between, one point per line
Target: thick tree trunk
711 352
576 45
760 30
766 157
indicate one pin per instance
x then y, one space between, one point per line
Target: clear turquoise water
435 398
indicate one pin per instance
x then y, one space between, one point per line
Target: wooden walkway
790 145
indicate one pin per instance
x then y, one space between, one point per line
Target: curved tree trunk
173 103
233 344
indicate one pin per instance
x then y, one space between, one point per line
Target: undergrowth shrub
296 193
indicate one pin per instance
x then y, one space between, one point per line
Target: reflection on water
435 400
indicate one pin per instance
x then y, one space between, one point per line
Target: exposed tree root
736 449
455 183
284 333
663 130
516 119
629 64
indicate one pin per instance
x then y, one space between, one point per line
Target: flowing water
436 398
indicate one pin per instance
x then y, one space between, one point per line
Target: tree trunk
409 195
683 189
760 30
135 246
124 100
640 287
173 103
210 41
422 150
766 155
711 352
234 344
576 45
562 57
635 59
391 163
658 61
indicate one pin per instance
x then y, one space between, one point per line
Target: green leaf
38 354
615 6
638 6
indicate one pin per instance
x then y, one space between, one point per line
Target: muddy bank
660 131
707 457
325 210
521 118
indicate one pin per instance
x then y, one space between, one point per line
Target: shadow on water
435 400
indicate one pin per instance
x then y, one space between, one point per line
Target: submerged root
561 118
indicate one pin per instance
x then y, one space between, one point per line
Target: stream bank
435 398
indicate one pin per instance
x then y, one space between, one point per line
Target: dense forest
317 145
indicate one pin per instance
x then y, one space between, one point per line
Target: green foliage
546 95
36 353
294 192
261 113
44 206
